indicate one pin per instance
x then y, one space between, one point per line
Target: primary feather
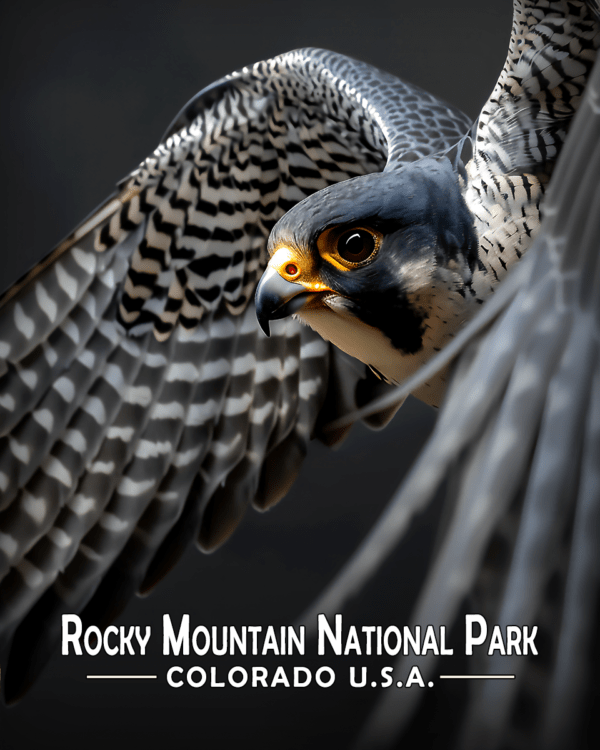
142 407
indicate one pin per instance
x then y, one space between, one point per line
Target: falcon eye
356 245
349 248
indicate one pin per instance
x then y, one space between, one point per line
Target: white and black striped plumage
134 362
124 357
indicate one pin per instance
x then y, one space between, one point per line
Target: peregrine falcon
132 357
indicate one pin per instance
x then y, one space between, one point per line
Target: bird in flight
142 405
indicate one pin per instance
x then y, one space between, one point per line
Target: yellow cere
299 266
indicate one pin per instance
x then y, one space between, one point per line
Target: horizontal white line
477 677
121 676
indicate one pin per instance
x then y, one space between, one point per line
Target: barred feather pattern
204 243
277 156
523 125
141 407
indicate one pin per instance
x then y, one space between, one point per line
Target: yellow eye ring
349 248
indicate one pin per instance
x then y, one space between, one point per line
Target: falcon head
380 265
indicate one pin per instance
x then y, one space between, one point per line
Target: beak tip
264 324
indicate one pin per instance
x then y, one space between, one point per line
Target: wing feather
141 405
526 119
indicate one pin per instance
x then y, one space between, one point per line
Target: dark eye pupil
356 245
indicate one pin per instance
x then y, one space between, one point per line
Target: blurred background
87 90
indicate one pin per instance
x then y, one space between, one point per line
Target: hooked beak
277 298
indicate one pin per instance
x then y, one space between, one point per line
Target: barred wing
141 405
523 125
525 121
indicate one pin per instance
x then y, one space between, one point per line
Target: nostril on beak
277 298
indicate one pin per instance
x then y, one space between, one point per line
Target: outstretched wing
141 405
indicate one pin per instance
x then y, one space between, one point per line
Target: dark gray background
87 90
